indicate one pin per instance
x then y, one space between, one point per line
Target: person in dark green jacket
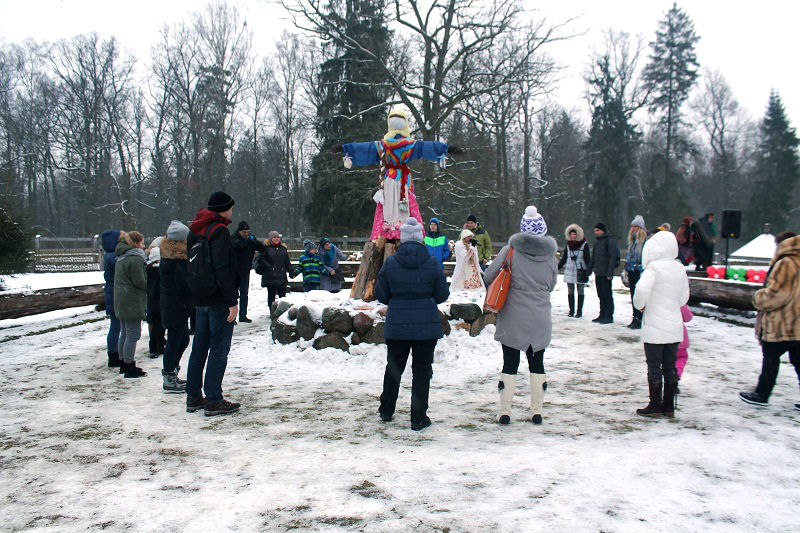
130 298
482 240
311 267
436 242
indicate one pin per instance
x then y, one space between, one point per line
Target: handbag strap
509 260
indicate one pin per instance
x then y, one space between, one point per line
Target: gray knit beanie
411 231
177 231
638 221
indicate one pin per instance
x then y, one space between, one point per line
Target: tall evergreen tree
777 170
669 77
349 83
672 70
610 148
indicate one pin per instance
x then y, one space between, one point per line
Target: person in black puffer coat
274 266
412 283
605 258
157 333
110 238
176 303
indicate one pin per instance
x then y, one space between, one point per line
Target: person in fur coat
467 272
778 319
661 292
525 322
575 261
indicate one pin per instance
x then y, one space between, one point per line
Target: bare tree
453 36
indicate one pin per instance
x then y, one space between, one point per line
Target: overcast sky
753 44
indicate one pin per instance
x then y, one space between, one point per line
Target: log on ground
21 304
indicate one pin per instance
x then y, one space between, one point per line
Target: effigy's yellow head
397 124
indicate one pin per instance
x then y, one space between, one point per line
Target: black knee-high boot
579 312
571 301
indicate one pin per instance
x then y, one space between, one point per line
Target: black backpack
200 272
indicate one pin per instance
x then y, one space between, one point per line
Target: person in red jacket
215 309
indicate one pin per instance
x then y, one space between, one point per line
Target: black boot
122 366
579 312
133 371
113 360
653 408
668 406
571 301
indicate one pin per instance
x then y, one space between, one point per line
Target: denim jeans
112 339
308 287
212 343
177 341
244 290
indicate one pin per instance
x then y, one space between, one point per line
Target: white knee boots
538 386
506 387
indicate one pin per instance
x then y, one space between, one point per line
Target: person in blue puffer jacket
109 239
436 242
412 283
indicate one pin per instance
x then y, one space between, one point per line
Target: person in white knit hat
467 272
525 322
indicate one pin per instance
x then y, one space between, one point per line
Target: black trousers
604 294
244 292
272 293
397 352
772 352
511 360
157 337
633 279
661 361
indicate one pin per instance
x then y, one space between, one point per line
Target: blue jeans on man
212 343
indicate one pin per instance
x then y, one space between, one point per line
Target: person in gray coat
525 322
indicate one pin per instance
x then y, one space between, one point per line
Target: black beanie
601 226
220 201
243 226
472 218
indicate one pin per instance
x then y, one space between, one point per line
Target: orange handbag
497 292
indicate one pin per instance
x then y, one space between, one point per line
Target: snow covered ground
84 449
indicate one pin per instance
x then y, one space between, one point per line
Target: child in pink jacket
683 347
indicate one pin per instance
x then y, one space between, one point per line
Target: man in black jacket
605 258
215 310
245 245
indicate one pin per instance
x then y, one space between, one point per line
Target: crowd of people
195 281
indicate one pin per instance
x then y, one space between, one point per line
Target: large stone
355 339
445 324
337 320
466 312
306 326
293 313
278 308
374 335
362 323
284 333
331 340
477 326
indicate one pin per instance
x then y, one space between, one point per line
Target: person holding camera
467 273
575 259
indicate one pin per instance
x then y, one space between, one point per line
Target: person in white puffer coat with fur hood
661 292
